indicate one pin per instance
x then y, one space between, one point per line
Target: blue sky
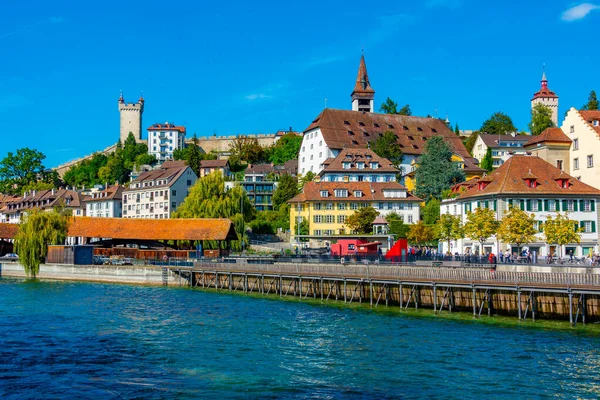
256 67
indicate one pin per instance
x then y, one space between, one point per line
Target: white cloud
579 12
257 96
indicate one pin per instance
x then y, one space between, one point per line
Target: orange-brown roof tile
363 85
8 231
554 135
153 229
354 156
509 179
168 127
355 129
590 116
371 191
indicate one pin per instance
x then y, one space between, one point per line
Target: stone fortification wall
221 144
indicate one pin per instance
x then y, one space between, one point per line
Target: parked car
10 257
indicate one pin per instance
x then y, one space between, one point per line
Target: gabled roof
112 193
355 129
553 135
590 116
8 231
354 156
362 85
493 140
169 171
370 191
510 177
214 163
43 199
153 229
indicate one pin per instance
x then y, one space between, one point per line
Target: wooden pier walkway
529 293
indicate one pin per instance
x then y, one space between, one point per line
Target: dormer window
357 193
531 183
324 193
415 146
376 125
390 126
361 123
365 133
595 123
346 123
341 193
405 127
346 165
374 165
360 165
354 142
419 129
433 130
411 138
563 183
350 133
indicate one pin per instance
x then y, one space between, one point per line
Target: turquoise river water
85 340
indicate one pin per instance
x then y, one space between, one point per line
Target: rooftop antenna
326 100
436 111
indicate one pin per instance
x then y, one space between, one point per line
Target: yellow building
327 205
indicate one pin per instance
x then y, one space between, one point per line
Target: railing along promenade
459 275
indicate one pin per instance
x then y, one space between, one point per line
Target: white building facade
583 128
106 203
537 187
157 194
164 139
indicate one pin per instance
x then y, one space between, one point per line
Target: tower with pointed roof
546 97
363 94
131 118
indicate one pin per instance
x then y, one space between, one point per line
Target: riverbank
142 275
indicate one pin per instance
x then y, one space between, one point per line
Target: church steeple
363 94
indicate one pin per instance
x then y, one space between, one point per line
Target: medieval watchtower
131 118
546 97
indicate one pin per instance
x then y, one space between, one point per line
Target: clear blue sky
255 67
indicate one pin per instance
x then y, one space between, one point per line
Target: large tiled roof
354 129
509 178
371 191
554 135
152 229
544 91
590 116
353 156
492 140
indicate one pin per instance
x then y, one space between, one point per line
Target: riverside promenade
518 290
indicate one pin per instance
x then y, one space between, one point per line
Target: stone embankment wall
145 275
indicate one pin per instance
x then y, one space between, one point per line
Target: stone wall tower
363 94
546 97
131 118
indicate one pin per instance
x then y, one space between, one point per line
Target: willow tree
36 232
208 198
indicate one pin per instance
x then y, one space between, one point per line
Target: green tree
431 211
304 229
308 177
449 227
592 103
456 130
470 142
389 106
287 188
285 149
420 234
361 221
86 173
20 169
561 230
38 230
192 155
541 118
436 171
488 162
387 146
517 227
209 199
498 124
397 226
243 150
481 225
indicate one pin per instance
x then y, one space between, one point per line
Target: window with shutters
329 206
318 206
354 206
534 205
551 205
317 219
589 226
341 219
329 219
341 206
570 206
